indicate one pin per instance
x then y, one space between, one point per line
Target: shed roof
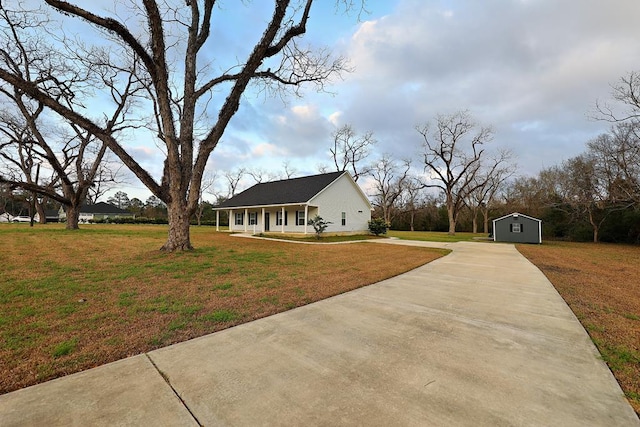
515 214
286 191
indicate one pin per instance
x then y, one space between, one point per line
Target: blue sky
531 69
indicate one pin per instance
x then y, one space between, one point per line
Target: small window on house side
299 217
239 218
344 218
253 218
516 227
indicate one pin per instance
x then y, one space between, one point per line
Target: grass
323 239
72 300
435 236
600 284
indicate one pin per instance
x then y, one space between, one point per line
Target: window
279 218
239 218
344 218
253 218
516 227
299 217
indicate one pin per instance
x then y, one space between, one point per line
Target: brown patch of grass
70 301
601 284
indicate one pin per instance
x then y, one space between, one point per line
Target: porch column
263 230
231 218
282 219
217 220
246 219
306 215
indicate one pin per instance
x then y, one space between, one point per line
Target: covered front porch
269 219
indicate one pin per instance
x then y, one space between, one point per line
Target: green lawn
323 239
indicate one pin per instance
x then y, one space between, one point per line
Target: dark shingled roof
103 208
288 191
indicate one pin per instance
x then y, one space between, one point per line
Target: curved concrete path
477 338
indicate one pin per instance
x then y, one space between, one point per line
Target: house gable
344 205
342 180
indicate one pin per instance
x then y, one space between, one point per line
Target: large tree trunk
386 214
452 219
73 216
595 226
485 217
474 221
179 236
42 216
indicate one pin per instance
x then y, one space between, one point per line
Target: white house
98 211
286 206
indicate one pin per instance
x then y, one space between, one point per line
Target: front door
266 221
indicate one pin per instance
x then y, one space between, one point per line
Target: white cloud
265 149
509 63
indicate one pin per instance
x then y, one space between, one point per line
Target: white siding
343 195
290 226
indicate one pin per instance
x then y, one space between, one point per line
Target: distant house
286 206
517 228
97 212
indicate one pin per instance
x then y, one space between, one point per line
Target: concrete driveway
478 338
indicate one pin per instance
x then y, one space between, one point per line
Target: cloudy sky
531 69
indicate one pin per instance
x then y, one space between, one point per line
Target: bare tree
289 171
172 33
627 93
533 195
233 178
389 180
351 150
487 184
73 156
20 160
260 175
208 183
412 197
584 191
617 158
453 167
107 177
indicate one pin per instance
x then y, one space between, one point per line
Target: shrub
319 225
378 226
